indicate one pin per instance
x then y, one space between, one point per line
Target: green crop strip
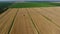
32 4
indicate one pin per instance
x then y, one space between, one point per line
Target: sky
7 0
29 0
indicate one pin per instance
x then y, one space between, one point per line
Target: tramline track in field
8 20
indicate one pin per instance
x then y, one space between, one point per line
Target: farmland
30 18
44 20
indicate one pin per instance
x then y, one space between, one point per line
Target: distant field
34 4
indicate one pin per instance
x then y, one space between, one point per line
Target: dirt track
30 21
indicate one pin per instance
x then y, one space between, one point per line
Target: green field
33 4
